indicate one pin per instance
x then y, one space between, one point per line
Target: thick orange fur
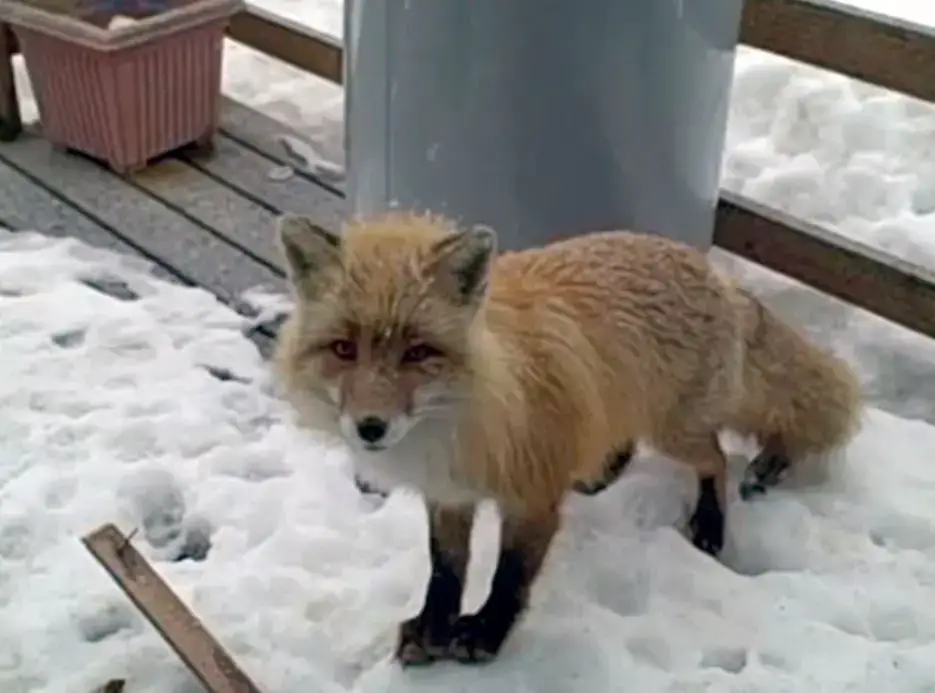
582 346
795 394
546 361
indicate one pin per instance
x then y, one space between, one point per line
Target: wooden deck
204 220
201 243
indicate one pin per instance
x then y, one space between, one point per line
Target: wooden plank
205 657
255 130
863 276
262 134
26 206
882 50
11 123
198 255
246 171
290 42
244 224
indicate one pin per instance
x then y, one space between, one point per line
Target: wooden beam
290 42
888 52
863 276
181 629
11 123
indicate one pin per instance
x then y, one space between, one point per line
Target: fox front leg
524 543
427 637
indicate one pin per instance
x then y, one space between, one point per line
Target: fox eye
418 353
344 349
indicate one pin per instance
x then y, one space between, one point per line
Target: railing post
10 120
541 118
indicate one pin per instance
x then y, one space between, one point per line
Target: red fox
518 377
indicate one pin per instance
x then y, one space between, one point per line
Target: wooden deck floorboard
198 254
260 133
26 206
200 219
222 212
247 172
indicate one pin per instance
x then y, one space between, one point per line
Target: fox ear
468 255
307 247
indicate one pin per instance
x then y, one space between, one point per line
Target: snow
151 409
111 413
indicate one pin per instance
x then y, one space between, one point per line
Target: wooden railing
887 52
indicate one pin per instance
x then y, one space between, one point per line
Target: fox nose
371 429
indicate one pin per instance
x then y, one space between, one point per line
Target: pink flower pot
123 92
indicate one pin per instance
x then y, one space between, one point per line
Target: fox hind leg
707 525
615 465
766 470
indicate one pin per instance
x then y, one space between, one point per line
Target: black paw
421 642
614 467
750 488
367 489
476 639
765 471
707 533
707 523
590 488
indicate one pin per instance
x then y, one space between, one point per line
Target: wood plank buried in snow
198 255
248 172
205 657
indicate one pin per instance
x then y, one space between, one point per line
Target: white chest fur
424 460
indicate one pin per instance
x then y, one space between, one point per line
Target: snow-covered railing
881 50
875 48
290 42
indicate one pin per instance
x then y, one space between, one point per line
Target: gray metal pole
541 118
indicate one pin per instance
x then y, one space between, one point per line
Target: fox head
383 320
